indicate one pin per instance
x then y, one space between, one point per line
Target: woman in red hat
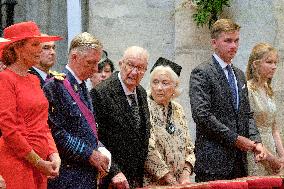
28 154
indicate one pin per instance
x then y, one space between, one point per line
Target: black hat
104 56
165 62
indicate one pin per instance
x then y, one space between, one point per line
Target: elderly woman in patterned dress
170 158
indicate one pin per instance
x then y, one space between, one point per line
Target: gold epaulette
57 75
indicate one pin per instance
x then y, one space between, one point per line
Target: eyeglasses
140 69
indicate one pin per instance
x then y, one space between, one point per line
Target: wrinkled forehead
141 61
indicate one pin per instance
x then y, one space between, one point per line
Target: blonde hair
169 72
84 41
257 53
223 25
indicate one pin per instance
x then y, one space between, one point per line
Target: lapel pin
76 88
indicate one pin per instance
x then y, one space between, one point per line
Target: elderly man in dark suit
225 129
72 123
123 118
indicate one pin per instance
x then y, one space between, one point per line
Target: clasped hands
2 183
49 167
246 144
119 181
100 162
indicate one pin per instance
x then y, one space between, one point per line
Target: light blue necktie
232 84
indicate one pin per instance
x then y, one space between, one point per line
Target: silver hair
173 76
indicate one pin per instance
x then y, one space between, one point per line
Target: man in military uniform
84 159
47 60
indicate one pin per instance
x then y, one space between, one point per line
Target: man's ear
120 63
74 56
213 43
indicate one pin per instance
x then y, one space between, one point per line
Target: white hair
136 52
172 75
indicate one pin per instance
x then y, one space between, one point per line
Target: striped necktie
135 109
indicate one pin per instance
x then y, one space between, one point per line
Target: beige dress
167 152
264 113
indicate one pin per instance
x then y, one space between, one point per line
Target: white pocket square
244 86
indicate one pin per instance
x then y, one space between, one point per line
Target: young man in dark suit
123 119
225 128
84 159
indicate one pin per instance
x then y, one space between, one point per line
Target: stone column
145 23
51 17
192 47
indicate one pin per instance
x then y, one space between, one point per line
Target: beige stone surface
50 15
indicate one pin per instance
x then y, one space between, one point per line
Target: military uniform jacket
74 138
33 71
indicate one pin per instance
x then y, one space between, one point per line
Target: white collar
42 74
79 81
220 61
125 89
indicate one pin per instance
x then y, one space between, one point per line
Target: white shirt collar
125 89
42 74
220 61
79 81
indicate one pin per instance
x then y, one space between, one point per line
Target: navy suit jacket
74 138
218 124
118 130
34 72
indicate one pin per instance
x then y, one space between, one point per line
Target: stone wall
261 21
146 23
50 15
164 29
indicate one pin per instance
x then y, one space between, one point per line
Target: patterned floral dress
264 109
167 152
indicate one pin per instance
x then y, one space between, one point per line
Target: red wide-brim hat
25 30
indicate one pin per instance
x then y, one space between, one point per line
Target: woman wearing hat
105 70
170 155
28 154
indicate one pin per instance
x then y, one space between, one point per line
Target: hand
276 166
260 153
184 180
245 144
100 162
2 183
281 159
54 158
168 179
2 67
47 168
184 177
119 181
274 163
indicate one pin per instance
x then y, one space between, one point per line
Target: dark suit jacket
74 138
117 128
33 71
217 123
